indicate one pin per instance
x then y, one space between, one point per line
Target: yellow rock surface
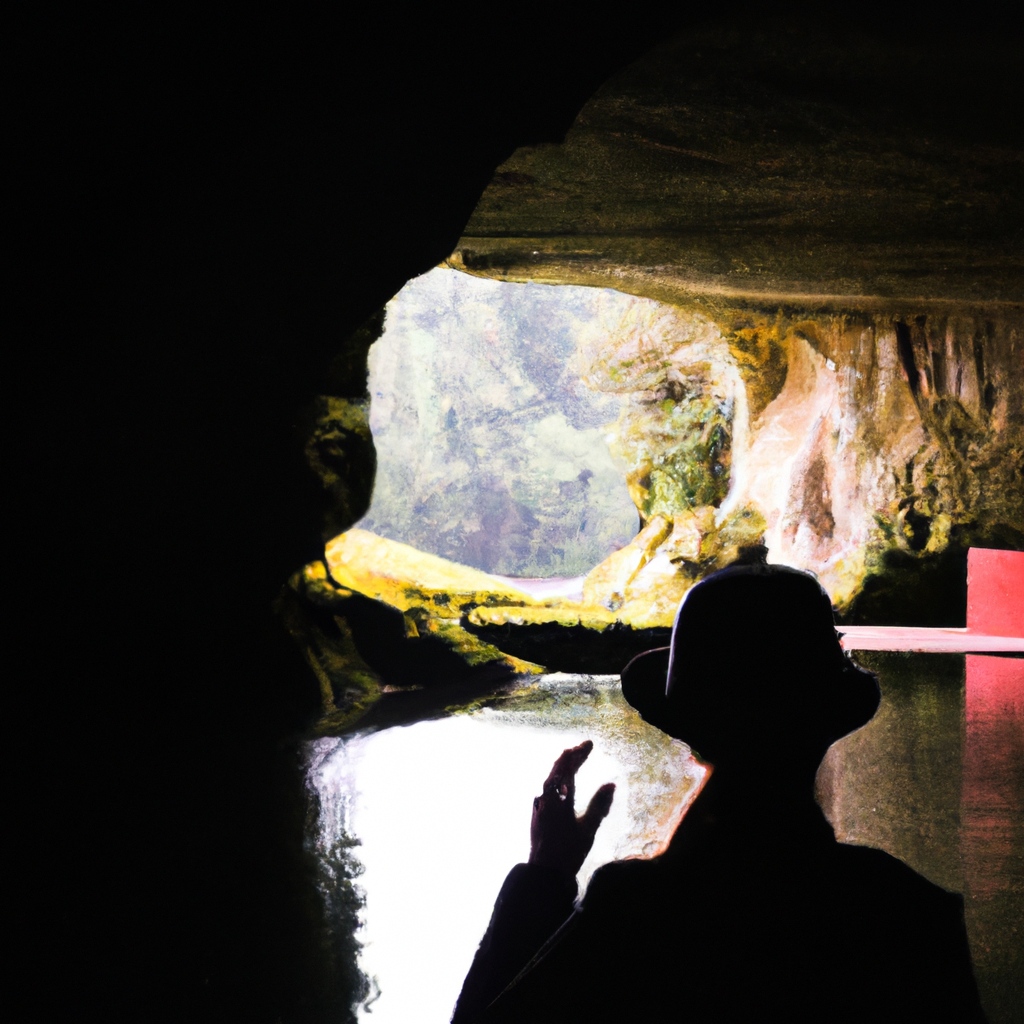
606 584
640 585
405 578
643 583
566 614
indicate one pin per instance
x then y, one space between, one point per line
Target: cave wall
888 435
840 438
821 343
858 249
773 163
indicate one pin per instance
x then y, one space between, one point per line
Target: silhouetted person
755 912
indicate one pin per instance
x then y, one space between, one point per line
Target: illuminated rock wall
886 435
834 439
876 435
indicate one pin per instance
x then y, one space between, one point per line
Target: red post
995 592
992 797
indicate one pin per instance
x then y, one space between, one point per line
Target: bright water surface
442 809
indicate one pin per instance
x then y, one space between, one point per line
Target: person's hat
754 649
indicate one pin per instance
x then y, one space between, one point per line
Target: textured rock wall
840 437
799 162
858 252
887 434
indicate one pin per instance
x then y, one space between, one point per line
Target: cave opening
525 434
492 450
556 466
752 373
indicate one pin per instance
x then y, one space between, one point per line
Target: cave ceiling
820 347
759 169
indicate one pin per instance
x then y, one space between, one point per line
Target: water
936 778
443 810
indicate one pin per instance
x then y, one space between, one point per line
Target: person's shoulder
621 884
902 907
907 934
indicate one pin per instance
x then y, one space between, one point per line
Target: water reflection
442 810
935 778
443 807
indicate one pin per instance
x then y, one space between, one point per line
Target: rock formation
817 336
828 335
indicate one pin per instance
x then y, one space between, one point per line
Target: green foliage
492 450
684 446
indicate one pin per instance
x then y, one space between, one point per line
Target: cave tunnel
819 254
599 399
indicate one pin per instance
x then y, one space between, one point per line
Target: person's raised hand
558 839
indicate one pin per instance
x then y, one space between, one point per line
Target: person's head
755 662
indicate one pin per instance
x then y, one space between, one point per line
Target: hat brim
644 682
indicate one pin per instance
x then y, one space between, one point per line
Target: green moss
473 650
682 449
348 686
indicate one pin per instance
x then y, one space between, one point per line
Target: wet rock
378 665
571 646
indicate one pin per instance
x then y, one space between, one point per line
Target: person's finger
570 759
597 810
579 755
562 778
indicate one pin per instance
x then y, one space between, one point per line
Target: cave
231 204
688 328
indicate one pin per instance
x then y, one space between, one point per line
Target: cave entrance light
529 431
491 450
525 431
